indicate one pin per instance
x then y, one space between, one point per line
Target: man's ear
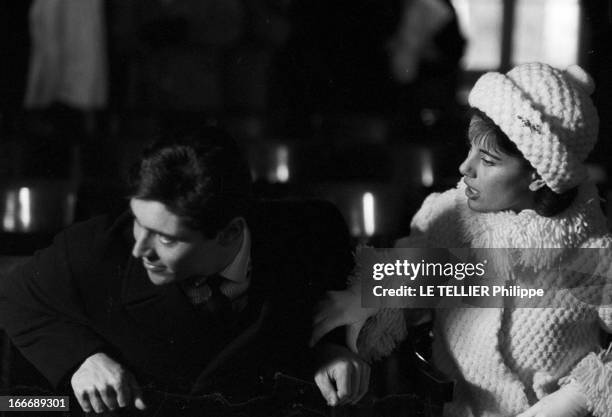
536 182
232 232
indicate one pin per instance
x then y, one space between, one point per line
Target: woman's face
495 180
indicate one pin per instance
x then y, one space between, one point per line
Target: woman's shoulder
439 207
602 241
438 219
585 220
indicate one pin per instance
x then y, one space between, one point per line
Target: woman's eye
165 240
487 162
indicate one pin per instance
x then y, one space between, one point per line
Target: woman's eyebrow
489 154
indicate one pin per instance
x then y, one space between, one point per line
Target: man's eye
165 240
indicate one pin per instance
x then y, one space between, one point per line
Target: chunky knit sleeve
386 329
594 375
594 372
383 332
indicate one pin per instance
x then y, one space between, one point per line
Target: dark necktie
218 304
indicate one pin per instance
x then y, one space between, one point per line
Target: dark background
301 83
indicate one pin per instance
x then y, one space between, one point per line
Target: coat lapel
235 347
158 309
260 301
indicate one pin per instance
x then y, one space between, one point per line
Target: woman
524 186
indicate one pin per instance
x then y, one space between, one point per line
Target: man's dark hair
200 175
547 202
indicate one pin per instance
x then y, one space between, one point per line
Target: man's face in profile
169 250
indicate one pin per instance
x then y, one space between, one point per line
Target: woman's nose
466 169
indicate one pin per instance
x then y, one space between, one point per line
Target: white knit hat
547 113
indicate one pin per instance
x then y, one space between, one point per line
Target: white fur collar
527 229
575 227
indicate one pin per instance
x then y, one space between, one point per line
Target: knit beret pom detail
581 78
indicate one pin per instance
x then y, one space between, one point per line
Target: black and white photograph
306 208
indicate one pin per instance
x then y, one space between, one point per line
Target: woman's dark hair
201 176
484 131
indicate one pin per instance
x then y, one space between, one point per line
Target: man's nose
142 246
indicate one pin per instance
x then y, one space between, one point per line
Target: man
196 289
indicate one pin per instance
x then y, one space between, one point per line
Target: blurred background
360 102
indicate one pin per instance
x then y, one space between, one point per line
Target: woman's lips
471 193
152 267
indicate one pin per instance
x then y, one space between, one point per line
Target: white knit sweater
505 360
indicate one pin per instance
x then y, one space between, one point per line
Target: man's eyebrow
159 232
489 154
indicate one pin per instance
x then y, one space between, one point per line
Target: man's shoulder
289 230
89 241
99 228
98 225
302 238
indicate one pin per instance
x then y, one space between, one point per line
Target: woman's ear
232 232
536 182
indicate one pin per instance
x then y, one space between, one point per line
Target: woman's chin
476 206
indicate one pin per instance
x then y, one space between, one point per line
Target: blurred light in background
40 206
24 207
543 30
427 168
270 162
355 219
371 209
480 22
547 31
362 221
282 165
10 211
415 165
369 216
17 210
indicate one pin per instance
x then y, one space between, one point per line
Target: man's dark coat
86 293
